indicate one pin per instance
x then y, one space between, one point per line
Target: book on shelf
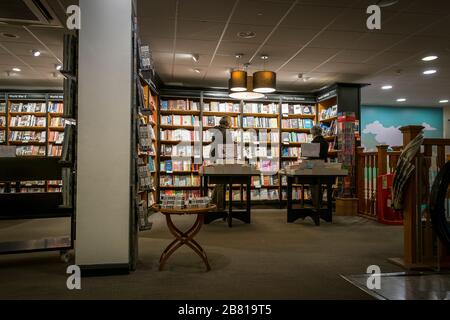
2 121
2 136
271 108
54 150
212 121
180 135
28 121
28 136
215 106
329 129
180 105
297 123
187 194
2 107
259 122
145 178
328 113
57 122
151 164
179 120
296 137
35 107
179 181
290 151
56 107
30 151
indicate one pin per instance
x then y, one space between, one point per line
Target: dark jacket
323 146
220 136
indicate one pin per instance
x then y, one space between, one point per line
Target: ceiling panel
312 17
205 10
352 56
199 30
289 37
257 12
233 29
151 9
159 26
336 39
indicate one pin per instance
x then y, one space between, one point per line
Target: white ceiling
326 40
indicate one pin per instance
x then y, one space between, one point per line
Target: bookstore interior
224 149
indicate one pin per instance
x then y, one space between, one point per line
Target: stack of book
55 107
328 113
30 151
179 120
290 152
180 135
57 122
27 136
296 137
55 137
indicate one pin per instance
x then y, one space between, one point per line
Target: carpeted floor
268 259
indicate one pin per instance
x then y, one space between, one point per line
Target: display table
244 178
184 238
315 178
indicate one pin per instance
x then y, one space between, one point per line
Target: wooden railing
369 166
422 249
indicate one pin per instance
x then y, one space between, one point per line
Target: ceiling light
36 53
264 81
238 81
386 87
249 94
431 71
195 57
58 67
443 101
197 70
246 34
429 58
16 69
386 3
401 100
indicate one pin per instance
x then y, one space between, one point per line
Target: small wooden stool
184 238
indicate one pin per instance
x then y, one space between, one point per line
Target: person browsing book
220 138
316 132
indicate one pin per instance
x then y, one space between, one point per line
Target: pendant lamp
238 81
264 81
249 94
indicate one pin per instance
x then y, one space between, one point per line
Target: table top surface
315 173
185 210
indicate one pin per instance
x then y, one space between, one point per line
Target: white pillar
446 119
104 126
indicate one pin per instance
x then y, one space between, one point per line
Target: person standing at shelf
221 138
316 132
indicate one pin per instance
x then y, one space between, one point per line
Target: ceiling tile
233 29
199 30
256 12
205 10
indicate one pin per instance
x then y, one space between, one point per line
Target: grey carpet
268 259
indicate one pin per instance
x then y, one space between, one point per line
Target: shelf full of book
147 145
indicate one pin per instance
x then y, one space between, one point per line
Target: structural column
104 135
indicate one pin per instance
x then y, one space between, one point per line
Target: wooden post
382 159
410 217
360 177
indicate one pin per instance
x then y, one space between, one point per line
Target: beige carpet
268 259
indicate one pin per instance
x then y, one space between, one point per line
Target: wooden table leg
184 238
289 199
249 200
230 205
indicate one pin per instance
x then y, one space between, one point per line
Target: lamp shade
248 94
238 81
264 81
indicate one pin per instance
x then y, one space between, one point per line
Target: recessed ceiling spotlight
429 58
197 70
195 57
36 53
401 100
246 34
386 87
386 3
431 71
443 101
16 69
58 67
9 35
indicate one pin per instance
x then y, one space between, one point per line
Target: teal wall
380 124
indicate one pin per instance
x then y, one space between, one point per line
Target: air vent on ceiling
26 12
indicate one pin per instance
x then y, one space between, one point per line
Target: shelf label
28 96
56 97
